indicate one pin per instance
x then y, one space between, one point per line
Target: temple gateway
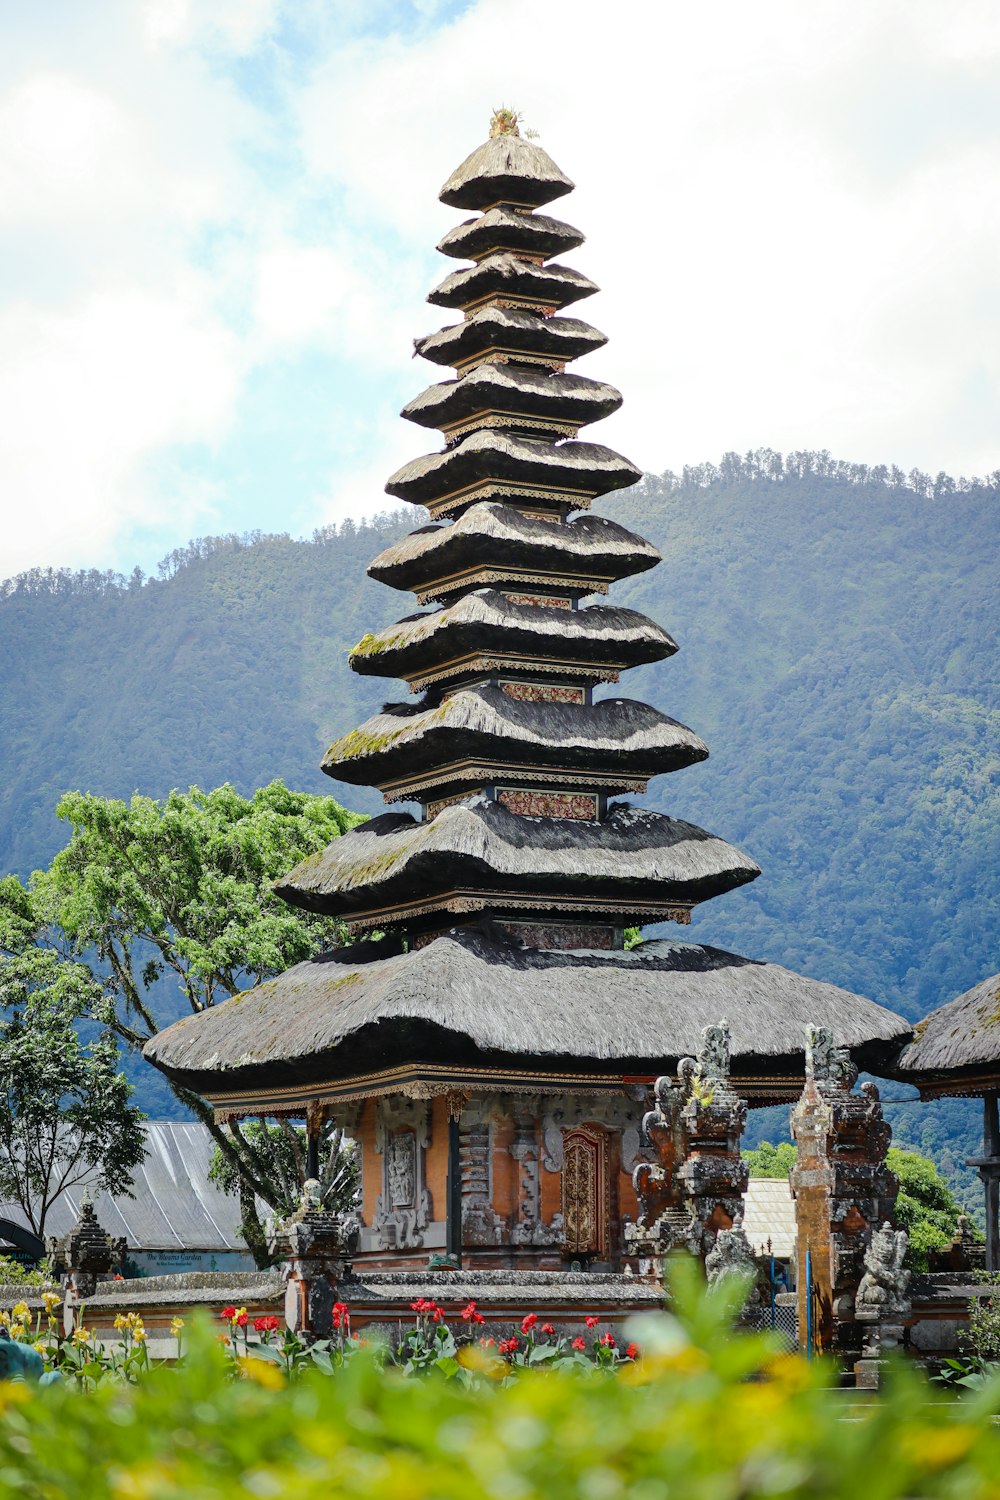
490 1036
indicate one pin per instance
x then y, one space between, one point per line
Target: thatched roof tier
475 1005
513 396
514 280
505 170
453 641
614 737
626 862
513 334
956 1049
492 543
505 230
487 465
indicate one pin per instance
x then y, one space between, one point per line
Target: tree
766 1160
65 1115
179 890
925 1207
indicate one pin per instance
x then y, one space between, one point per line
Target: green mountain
838 632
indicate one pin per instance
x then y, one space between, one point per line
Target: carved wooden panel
585 1192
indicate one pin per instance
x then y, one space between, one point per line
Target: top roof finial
504 121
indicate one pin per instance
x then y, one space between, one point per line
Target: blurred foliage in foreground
704 1413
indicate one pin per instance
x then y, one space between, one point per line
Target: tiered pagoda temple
488 1037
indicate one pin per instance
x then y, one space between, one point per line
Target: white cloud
791 209
86 398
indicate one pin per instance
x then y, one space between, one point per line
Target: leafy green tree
767 1160
65 1114
160 901
925 1208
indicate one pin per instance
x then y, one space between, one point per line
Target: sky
218 219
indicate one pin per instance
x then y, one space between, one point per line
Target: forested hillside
838 633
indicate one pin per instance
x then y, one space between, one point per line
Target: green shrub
703 1414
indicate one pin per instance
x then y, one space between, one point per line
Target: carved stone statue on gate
883 1295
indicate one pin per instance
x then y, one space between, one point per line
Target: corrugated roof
175 1206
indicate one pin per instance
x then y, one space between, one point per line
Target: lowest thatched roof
503 331
957 1047
502 229
514 390
453 641
512 277
616 736
630 860
497 541
475 994
505 169
574 470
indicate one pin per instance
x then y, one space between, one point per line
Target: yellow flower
262 1372
120 1322
4 1318
176 1325
51 1300
81 1335
239 1312
39 1347
17 1333
139 1333
22 1312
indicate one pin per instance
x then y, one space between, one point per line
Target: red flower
509 1345
528 1322
578 1344
547 1328
593 1321
268 1324
342 1308
423 1305
632 1352
487 1343
470 1315
242 1320
608 1341
437 1316
228 1313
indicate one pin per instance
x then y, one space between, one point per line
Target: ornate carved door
585 1192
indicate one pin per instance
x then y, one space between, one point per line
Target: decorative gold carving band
463 902
482 577
537 664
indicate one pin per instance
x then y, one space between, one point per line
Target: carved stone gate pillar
842 1187
81 1258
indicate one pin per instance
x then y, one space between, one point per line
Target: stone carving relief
403 1208
480 1223
529 1229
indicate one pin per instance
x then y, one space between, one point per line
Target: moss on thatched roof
629 856
601 636
505 169
502 229
585 469
514 389
615 735
492 535
506 330
509 276
640 1011
962 1037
